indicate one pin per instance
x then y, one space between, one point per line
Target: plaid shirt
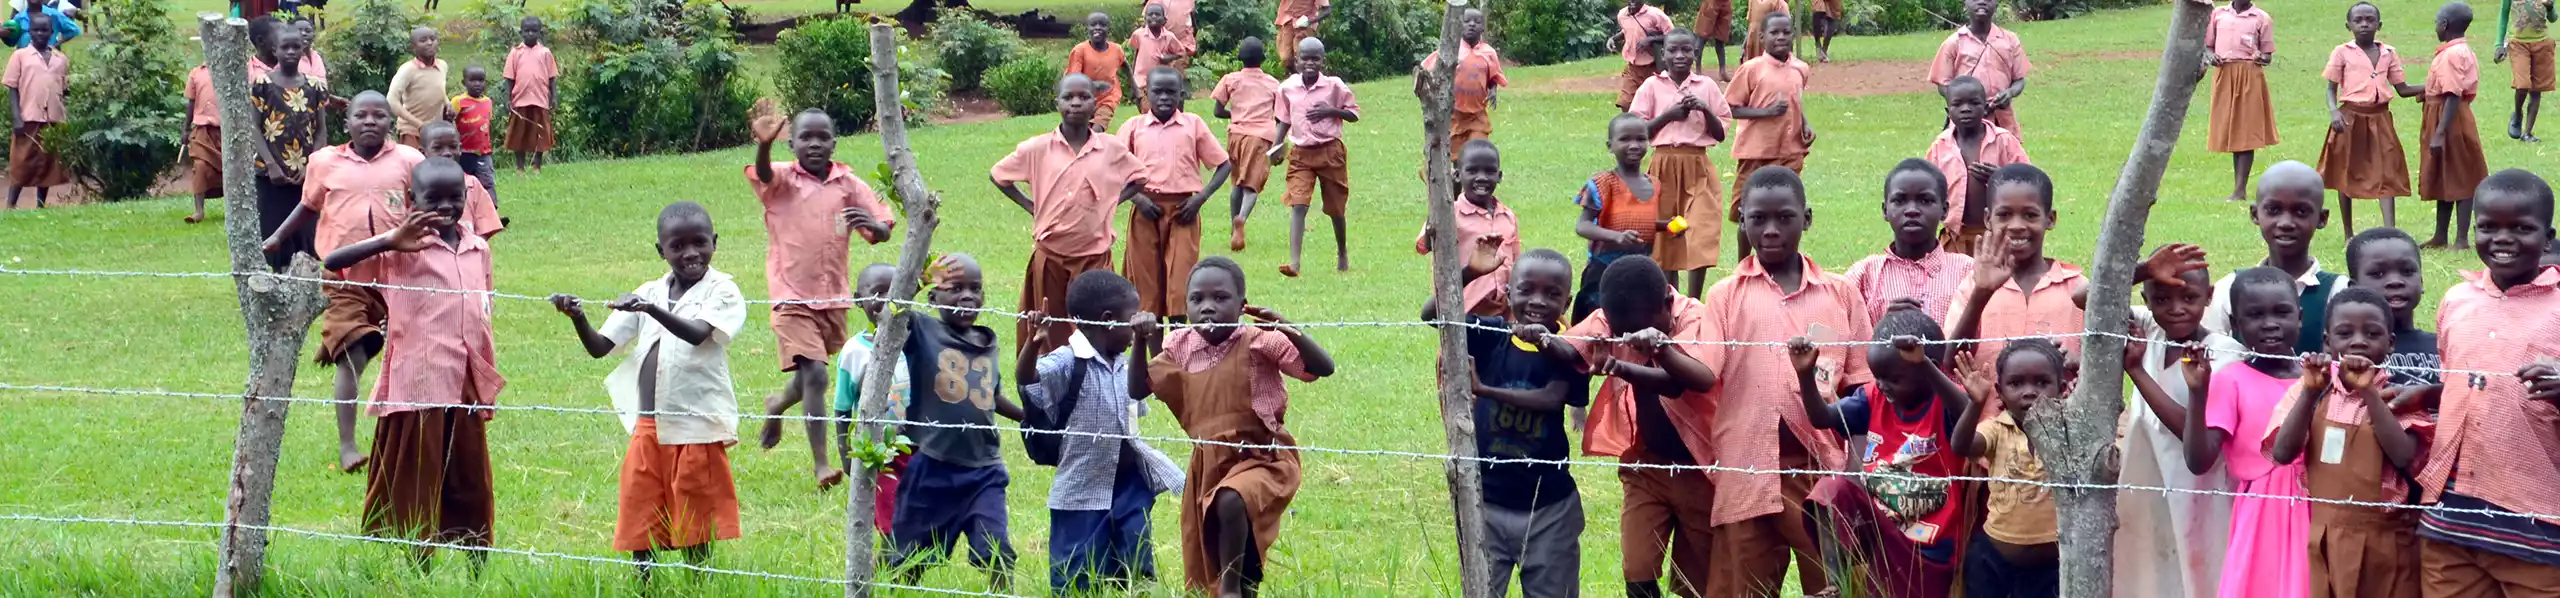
2491 442
1087 465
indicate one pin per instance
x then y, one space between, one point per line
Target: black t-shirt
2416 349
955 382
1506 431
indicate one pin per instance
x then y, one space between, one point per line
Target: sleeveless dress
1211 390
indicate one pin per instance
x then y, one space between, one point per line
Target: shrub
966 46
1883 17
494 28
1028 85
1553 31
664 76
1371 39
826 64
1219 26
124 136
1206 69
366 44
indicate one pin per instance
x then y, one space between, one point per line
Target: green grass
1361 525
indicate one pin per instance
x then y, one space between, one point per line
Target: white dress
2168 545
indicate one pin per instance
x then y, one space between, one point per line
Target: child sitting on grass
1106 484
955 485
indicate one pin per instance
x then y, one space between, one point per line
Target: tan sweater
417 95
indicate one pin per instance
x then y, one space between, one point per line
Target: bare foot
829 478
1342 264
2435 243
351 460
1235 242
2233 197
772 433
195 219
1289 271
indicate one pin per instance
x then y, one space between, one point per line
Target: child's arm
1279 149
1319 363
2172 415
690 330
2337 119
1817 410
1988 274
2399 447
1544 399
2295 432
1978 390
412 235
2452 102
1026 369
2204 442
1140 355
294 223
1006 407
1190 212
1219 109
1012 192
1672 369
596 343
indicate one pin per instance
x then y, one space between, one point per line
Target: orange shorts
1324 164
674 495
807 332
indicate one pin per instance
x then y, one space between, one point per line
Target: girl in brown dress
2356 449
1222 382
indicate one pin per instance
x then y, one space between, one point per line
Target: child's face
422 44
2390 267
2266 317
2287 217
291 45
1155 20
2359 329
2027 378
1478 174
441 196
813 142
1538 291
2363 20
1914 206
1311 63
1628 141
1213 297
1779 33
1164 95
1097 29
1111 340
2017 214
1680 54
1966 106
1075 103
687 244
1774 220
40 32
1980 10
1902 382
443 143
2507 234
531 32
961 290
368 121
871 290
2179 310
1471 26
305 27
476 83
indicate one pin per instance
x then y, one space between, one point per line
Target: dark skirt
275 202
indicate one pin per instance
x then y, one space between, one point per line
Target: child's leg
350 369
2515 116
2347 214
1337 202
1550 560
844 444
2240 164
1231 544
2444 216
1301 190
2390 214
2532 113
1341 245
538 158
2462 223
1297 238
809 381
1698 281
520 161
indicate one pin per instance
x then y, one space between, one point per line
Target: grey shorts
1543 544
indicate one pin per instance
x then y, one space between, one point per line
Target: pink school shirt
313 67
2362 81
40 80
1177 18
356 196
1634 28
1611 431
1290 10
2239 36
1073 191
1151 46
2049 309
1999 148
1659 93
1935 279
805 246
1253 99
1297 98
437 348
1756 393
2491 442
202 110
2455 71
2266 556
1484 295
1997 61
1479 71
480 210
1760 82
1173 151
532 68
1273 356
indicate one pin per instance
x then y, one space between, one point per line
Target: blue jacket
63 27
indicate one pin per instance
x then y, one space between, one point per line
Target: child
1641 32
1477 80
1770 126
1249 100
203 150
1164 224
812 206
2354 449
64 27
417 89
674 397
1905 530
311 63
533 81
1156 45
870 287
433 480
1967 152
955 484
1313 107
2239 43
2015 553
1654 409
2385 261
342 201
1987 53
1913 265
1826 24
1618 216
1103 62
1177 18
2453 164
2170 544
1223 383
471 113
2289 211
479 211
1297 21
2015 289
1483 221
289 107
2497 318
1105 486
2362 156
2529 43
1072 171
1714 25
2228 424
1755 41
36 77
1533 513
1687 112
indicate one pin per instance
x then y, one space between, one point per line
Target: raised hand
858 219
766 120
1991 267
2197 367
1039 327
2315 369
1486 253
1978 381
2358 373
2172 260
418 231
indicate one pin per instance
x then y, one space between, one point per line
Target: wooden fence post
921 204
1457 371
277 313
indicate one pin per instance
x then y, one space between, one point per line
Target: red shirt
1918 446
471 117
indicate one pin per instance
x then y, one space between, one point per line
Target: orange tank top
1619 207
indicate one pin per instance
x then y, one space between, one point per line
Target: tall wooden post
276 312
921 203
2077 439
1457 372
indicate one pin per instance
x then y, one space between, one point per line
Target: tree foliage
131 117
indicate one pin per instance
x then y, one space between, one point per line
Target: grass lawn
1360 526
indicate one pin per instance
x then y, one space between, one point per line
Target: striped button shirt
2491 442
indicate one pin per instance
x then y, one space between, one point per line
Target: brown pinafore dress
2357 552
1217 404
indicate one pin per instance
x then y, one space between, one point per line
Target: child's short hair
1906 320
2041 347
1220 262
1542 254
2352 295
2026 174
2355 244
1923 167
436 168
1948 91
1096 292
435 127
686 211
2351 8
1776 177
1249 52
2454 14
2264 275
1166 71
1677 33
1479 144
2536 191
529 20
1633 284
262 30
1620 118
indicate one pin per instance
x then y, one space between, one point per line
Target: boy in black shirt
1533 513
955 484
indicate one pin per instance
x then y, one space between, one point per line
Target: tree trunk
276 312
921 204
2077 439
1457 375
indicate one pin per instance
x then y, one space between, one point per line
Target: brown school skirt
1266 480
2457 171
1253 167
353 320
806 332
1715 21
204 161
1324 165
2364 161
674 495
2531 62
29 164
529 129
1468 126
1044 289
2359 553
1630 79
430 478
2243 119
1686 181
1828 7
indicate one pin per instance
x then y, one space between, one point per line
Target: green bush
365 42
1539 31
966 46
663 76
1207 68
495 28
1221 25
126 133
826 64
1028 85
1373 39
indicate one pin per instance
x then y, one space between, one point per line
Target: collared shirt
1659 94
2342 411
1756 393
2455 70
2491 442
2021 513
1479 71
2000 147
2048 309
1253 100
2364 81
1485 294
1297 98
1273 356
1759 83
1073 190
1935 279
2217 314
1634 28
806 244
2235 35
480 210
1177 19
1172 152
1290 10
1151 46
471 120
40 78
1611 430
1997 60
1088 464
202 110
437 348
357 196
532 69
694 398
1102 66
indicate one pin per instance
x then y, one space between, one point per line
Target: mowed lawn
1361 525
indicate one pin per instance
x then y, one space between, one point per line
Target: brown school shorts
2531 62
807 332
204 161
1325 164
353 320
1252 168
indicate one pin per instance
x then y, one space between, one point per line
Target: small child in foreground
1249 100
1313 107
2188 530
954 487
1905 530
1533 513
813 206
1914 265
870 287
37 75
1103 62
479 210
1483 222
2290 210
1164 224
1770 125
676 492
533 83
2353 447
2015 554
2453 164
2362 156
1655 408
2228 424
1106 485
2386 261
1618 214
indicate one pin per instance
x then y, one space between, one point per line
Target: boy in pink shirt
1177 18
2015 289
1966 153
2453 163
1164 226
1156 45
533 80
1641 32
1313 107
1298 20
1989 53
813 205
1770 126
203 150
1488 232
1914 265
479 208
36 77
1249 99
1653 408
1077 178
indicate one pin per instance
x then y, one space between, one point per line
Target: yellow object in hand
1678 225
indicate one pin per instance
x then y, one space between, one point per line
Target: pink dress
2269 551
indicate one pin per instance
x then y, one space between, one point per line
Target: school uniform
2358 551
676 488
1317 156
1754 13
1714 22
1666 512
39 78
2492 446
1997 59
2364 159
1682 173
1252 98
1533 513
1150 47
1487 294
804 254
1936 279
312 67
1163 250
1105 486
530 71
1999 147
851 366
1634 26
1177 19
2048 309
1288 32
480 210
1620 210
2244 117
2021 514
471 123
955 485
356 197
1103 66
1073 192
2312 289
2452 174
430 478
1231 392
417 97
2169 544
204 135
1479 71
1762 142
1905 530
2528 43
